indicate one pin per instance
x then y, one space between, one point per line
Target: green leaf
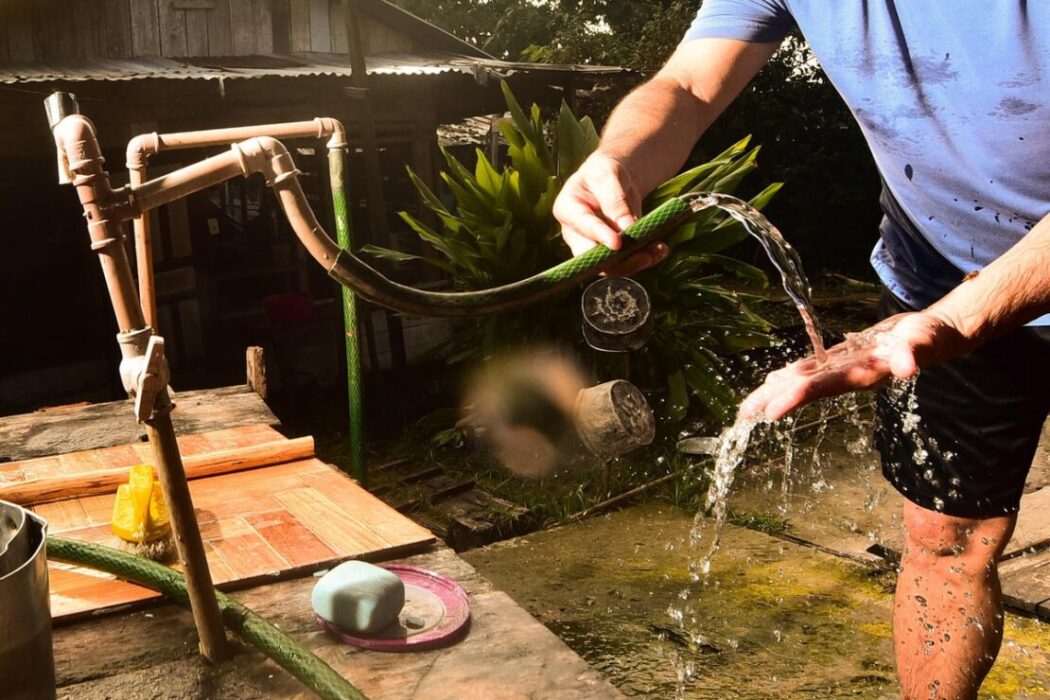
576 141
677 396
708 383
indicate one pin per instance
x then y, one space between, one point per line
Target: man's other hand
893 348
597 203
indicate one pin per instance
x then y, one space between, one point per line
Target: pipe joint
140 148
327 126
266 155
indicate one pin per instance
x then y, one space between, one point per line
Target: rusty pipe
75 137
262 154
144 145
104 209
179 183
144 255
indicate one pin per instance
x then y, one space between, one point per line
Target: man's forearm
1011 291
652 131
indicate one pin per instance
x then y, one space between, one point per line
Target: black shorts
978 424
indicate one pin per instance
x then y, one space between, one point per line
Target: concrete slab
152 654
776 620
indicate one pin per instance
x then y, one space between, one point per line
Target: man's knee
968 545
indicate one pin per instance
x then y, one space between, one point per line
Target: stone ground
781 616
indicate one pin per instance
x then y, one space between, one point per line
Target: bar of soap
358 597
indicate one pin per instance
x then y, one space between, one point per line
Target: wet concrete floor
777 619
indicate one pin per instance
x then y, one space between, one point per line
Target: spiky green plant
501 229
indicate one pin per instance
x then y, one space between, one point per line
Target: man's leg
948 616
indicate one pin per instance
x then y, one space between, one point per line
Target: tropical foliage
499 228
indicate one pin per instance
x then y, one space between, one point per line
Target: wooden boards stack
259 523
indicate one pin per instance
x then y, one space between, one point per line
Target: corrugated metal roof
274 66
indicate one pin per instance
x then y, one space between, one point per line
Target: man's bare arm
1011 291
648 138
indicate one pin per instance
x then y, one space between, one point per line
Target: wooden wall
70 30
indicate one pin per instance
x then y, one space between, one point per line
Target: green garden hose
343 235
370 284
293 657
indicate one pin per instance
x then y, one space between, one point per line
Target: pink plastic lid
436 614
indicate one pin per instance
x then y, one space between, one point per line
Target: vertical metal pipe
344 237
75 138
144 255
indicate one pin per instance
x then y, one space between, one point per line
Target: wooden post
256 370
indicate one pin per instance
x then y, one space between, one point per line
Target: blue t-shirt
953 97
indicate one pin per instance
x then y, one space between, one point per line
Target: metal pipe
184 181
144 255
144 145
104 209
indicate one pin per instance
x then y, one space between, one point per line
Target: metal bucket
27 664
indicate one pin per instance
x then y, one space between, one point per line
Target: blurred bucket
27 664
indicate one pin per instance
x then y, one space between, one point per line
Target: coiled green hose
289 654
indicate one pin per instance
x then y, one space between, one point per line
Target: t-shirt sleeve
761 21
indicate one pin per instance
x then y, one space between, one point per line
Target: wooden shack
169 65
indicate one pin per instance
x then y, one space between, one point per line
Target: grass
762 522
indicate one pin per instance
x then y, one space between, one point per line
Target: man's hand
893 348
597 203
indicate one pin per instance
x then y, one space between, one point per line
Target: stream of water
734 440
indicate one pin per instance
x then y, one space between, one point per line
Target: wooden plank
66 429
368 510
1026 582
242 24
18 22
63 516
249 555
90 38
220 39
332 524
281 19
145 28
197 32
118 28
337 24
104 477
292 540
320 29
299 13
45 31
262 20
173 42
1032 531
250 535
5 10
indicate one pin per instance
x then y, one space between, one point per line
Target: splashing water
780 253
734 440
733 445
